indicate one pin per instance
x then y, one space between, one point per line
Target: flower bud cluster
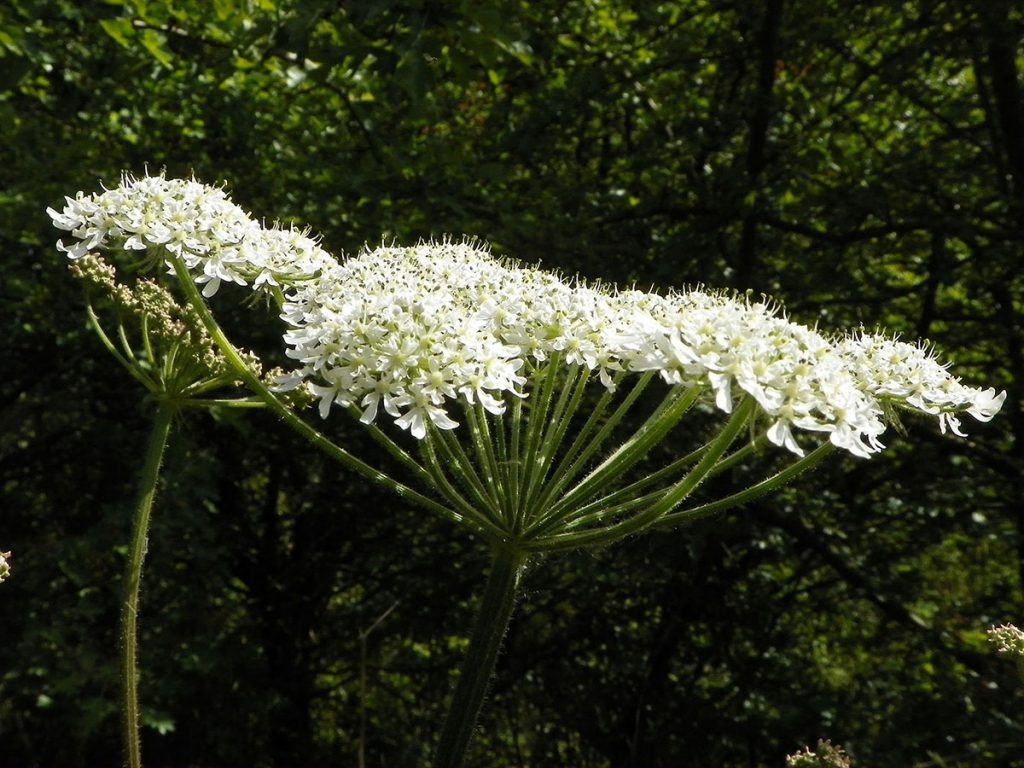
412 331
169 327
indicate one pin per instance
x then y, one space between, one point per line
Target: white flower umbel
5 566
217 241
442 334
1008 639
416 329
909 376
165 346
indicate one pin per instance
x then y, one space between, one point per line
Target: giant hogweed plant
534 402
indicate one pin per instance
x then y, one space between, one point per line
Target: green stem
128 364
202 402
484 523
740 416
133 576
671 410
766 486
486 458
461 467
587 444
491 623
575 384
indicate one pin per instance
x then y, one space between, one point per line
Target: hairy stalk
133 577
766 486
492 621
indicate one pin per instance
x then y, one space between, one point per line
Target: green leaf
162 724
119 29
154 42
223 9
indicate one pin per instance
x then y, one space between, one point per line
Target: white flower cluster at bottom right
1008 639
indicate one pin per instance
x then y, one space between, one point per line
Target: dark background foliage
861 161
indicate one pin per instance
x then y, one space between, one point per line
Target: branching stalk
632 525
132 580
773 483
587 443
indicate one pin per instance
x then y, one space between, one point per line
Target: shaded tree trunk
756 160
999 41
1002 97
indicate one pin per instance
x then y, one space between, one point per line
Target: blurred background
861 162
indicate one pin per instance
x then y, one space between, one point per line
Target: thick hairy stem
491 623
132 580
